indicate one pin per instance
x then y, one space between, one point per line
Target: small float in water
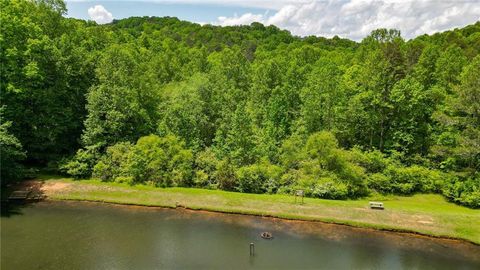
266 235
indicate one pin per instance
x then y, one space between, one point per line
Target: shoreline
360 226
424 215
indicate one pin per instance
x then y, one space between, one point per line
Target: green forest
253 109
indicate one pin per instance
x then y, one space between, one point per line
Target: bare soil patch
54 187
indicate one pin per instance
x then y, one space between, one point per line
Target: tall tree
122 106
44 79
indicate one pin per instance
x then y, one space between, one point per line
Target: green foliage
238 141
249 108
408 180
206 165
322 98
458 140
122 105
330 188
323 169
373 161
184 113
163 161
225 175
464 191
380 183
291 152
112 165
410 122
449 66
259 178
45 76
81 165
11 153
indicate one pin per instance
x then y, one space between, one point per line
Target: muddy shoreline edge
355 225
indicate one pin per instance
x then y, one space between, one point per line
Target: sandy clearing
54 186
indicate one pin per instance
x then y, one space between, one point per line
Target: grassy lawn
426 213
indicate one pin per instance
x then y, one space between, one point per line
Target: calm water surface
75 235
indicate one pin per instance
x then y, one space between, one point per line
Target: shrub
330 188
325 187
225 175
201 179
407 180
102 171
258 178
373 161
324 160
463 191
289 181
380 183
432 180
164 161
125 179
404 180
11 153
112 164
81 165
206 164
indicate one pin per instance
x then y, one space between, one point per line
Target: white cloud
99 14
246 18
266 4
355 19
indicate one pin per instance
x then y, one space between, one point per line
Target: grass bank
426 213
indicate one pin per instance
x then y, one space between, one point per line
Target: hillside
249 108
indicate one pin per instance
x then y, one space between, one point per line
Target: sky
353 19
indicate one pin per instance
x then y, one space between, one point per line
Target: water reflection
73 235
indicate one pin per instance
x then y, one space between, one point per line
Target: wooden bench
19 195
376 205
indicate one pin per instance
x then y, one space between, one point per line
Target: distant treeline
244 108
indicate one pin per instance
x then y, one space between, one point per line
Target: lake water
76 235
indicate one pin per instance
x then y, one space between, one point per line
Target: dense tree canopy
246 108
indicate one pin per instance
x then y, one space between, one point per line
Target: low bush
380 183
463 191
373 161
258 178
330 170
125 179
11 153
113 163
330 188
161 161
225 175
81 165
408 180
206 165
325 187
